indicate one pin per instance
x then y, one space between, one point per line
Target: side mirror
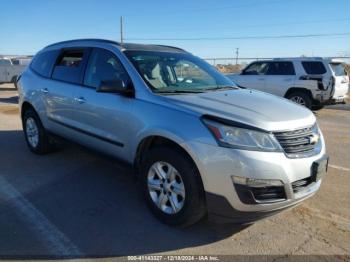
116 86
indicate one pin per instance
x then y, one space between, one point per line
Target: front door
253 77
103 119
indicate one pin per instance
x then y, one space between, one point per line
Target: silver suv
199 144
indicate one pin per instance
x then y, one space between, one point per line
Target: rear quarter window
43 62
338 69
314 68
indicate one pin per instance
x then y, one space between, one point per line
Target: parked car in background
199 144
21 61
312 82
11 68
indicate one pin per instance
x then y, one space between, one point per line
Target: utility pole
237 51
121 30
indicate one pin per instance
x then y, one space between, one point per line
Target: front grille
298 141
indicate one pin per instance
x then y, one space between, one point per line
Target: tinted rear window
314 68
43 62
69 66
280 68
338 69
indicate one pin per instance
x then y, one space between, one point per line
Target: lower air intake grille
302 184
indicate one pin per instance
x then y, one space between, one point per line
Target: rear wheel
35 134
172 187
300 98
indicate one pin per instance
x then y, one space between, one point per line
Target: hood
249 107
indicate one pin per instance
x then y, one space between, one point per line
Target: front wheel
300 98
172 187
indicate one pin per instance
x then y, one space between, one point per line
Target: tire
14 81
189 204
300 98
35 134
317 107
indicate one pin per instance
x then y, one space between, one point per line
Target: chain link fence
234 64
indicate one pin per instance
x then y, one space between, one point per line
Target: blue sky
27 26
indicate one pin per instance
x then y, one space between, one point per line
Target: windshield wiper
221 88
179 91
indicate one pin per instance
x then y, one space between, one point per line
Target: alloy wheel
166 187
32 132
299 100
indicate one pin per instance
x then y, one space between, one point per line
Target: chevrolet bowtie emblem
313 139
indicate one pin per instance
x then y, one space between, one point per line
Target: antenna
237 51
121 30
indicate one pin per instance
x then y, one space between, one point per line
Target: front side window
314 68
176 72
5 62
104 66
281 68
69 66
258 68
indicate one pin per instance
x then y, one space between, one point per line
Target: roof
125 46
299 58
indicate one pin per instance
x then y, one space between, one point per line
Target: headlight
241 138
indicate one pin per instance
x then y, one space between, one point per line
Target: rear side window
314 68
338 69
69 66
43 62
281 68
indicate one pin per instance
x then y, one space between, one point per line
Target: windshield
177 72
338 69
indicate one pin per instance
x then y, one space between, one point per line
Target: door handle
44 90
261 79
80 100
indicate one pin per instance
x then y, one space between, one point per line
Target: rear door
341 84
66 76
279 77
253 76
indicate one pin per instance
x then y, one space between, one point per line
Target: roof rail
86 39
300 58
174 47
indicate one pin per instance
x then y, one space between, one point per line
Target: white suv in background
312 82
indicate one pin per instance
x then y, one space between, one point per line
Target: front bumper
217 165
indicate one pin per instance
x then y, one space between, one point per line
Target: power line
299 22
241 37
